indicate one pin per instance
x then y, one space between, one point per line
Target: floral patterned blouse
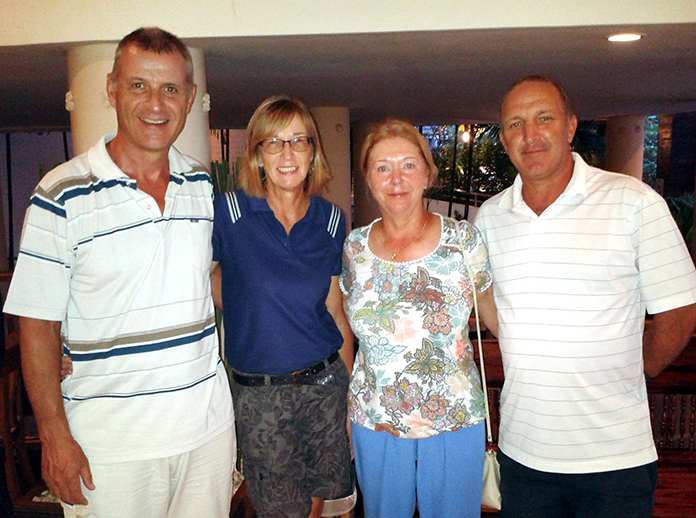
415 374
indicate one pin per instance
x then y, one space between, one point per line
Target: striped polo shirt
131 287
572 288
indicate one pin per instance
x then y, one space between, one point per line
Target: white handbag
490 495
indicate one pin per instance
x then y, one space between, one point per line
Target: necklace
393 254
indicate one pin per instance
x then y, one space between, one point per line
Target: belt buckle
296 378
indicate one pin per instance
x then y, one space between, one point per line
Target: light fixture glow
465 137
627 36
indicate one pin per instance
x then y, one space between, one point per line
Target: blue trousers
443 473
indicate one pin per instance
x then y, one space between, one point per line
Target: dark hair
565 98
156 40
395 128
272 116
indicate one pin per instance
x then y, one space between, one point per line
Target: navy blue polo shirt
274 285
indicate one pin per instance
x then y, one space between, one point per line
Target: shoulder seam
233 206
334 219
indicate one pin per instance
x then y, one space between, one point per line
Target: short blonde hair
272 116
393 128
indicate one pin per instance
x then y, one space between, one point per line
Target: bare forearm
666 337
41 361
63 463
216 284
346 351
334 304
487 310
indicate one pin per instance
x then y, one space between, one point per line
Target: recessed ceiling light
627 36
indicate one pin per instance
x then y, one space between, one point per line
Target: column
365 209
334 128
624 145
195 139
91 114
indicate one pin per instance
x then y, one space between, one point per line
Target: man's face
536 131
152 98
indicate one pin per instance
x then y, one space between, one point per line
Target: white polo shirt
131 287
572 287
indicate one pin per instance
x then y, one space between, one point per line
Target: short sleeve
348 271
667 277
339 239
40 286
477 254
219 209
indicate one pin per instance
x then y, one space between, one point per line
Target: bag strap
470 273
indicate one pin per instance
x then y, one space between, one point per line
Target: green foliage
441 141
682 208
589 140
491 168
652 123
224 179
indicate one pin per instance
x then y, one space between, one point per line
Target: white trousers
196 483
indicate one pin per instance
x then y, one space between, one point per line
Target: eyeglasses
275 145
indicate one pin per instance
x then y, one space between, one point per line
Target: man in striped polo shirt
113 270
578 256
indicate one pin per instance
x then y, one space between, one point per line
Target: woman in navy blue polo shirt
286 335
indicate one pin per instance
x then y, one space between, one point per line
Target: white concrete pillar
334 128
625 137
91 114
195 139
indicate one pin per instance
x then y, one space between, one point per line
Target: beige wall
27 22
334 128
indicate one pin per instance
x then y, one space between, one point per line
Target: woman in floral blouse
415 399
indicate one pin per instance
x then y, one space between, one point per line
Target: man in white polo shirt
113 270
578 256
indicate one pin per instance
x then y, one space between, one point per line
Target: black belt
296 378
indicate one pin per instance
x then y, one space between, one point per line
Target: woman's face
397 175
287 169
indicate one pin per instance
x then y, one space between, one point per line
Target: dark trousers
528 493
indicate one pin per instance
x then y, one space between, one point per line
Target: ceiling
425 77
